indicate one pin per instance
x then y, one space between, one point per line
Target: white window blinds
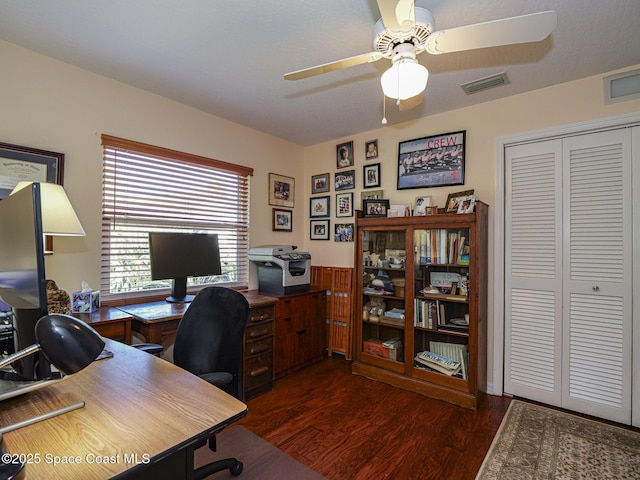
147 188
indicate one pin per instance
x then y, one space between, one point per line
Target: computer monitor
176 256
22 275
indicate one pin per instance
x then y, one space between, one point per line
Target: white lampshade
405 79
58 216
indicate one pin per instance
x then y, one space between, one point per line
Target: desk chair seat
209 343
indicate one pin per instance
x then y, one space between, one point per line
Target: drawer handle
258 333
259 371
259 348
301 331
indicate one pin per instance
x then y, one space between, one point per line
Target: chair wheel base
234 466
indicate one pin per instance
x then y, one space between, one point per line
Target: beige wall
53 106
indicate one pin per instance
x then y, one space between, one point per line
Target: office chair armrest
152 348
219 379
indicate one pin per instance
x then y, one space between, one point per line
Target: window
147 188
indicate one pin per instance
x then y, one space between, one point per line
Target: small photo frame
400 210
343 232
344 155
281 190
421 204
319 206
371 149
320 183
344 204
319 229
453 201
371 175
282 220
467 204
375 208
371 195
431 210
345 180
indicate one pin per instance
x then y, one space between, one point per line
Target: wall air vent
485 83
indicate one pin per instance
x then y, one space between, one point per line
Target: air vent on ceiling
485 83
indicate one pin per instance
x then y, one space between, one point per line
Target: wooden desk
136 410
157 321
109 322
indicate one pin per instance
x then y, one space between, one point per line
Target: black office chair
209 343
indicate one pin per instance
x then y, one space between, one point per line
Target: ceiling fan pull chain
384 109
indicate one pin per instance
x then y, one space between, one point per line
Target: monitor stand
179 292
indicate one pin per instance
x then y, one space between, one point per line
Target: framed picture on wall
345 180
26 164
344 155
319 206
320 183
343 232
282 220
432 161
281 190
319 229
371 149
344 204
371 175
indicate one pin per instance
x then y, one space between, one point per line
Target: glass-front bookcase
421 293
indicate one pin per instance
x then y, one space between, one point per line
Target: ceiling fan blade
410 103
526 28
332 66
397 15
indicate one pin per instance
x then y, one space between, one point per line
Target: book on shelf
439 363
456 351
441 246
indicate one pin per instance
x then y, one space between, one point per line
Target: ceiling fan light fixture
406 78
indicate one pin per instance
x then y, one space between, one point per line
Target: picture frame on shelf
281 190
371 175
344 155
400 210
431 210
282 220
320 183
344 232
371 149
26 164
421 204
433 161
344 204
375 208
319 206
345 180
453 201
467 204
319 229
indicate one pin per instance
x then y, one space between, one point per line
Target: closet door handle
595 288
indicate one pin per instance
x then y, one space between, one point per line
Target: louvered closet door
533 271
597 331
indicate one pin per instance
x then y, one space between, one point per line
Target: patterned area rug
535 442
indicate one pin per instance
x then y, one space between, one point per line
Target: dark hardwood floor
345 426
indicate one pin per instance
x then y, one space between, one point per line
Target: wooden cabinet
421 289
300 330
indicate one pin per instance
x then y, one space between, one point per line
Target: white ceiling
228 57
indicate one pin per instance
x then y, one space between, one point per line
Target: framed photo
344 232
371 195
281 190
319 229
319 206
371 175
375 208
420 206
453 201
467 204
344 204
431 210
345 180
371 149
344 155
282 220
26 164
320 183
432 161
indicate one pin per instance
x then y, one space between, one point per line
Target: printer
281 270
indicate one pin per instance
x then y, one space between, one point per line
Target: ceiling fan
404 31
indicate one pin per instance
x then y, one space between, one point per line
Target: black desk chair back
209 343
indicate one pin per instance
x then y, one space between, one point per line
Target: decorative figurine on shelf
58 301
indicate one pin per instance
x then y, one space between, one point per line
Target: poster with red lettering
432 161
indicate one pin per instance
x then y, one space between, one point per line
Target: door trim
501 143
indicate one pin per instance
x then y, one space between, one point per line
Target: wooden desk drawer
258 331
262 345
258 371
261 314
115 331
